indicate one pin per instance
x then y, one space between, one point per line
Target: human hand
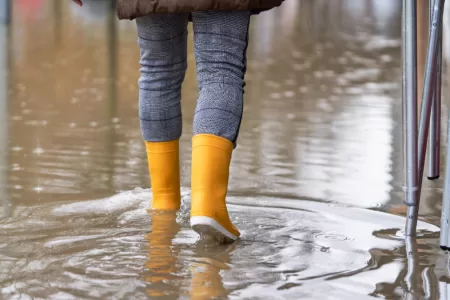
79 2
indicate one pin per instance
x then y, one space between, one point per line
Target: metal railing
416 136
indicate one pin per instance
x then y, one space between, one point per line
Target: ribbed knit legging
220 44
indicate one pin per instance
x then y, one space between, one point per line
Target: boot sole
210 227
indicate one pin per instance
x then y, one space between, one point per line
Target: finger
78 2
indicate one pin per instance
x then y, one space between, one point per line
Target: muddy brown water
315 182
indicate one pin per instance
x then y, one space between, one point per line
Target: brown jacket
130 9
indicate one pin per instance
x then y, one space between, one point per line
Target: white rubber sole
210 227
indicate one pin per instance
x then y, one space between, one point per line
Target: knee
160 85
161 76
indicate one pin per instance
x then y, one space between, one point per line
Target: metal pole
446 198
425 112
435 121
409 62
429 83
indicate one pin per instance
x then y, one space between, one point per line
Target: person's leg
163 43
220 43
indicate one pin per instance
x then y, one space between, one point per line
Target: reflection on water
162 259
315 182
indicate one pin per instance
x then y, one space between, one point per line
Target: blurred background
316 178
70 96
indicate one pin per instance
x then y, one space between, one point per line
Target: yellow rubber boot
164 167
211 156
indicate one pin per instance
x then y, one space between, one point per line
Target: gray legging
220 40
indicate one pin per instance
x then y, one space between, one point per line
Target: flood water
316 180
